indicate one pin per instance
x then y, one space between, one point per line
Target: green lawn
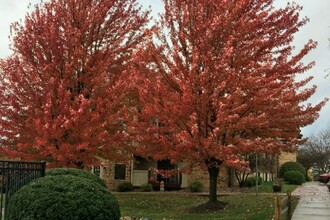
267 187
171 205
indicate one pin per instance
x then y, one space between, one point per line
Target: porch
153 172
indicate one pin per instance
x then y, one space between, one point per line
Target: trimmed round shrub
147 187
76 172
125 187
63 197
294 177
292 166
251 181
195 186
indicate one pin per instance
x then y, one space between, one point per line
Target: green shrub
195 186
125 187
251 181
292 166
147 187
294 177
63 197
75 172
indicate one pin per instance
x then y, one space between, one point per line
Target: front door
174 181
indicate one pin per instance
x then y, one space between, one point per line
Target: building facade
141 171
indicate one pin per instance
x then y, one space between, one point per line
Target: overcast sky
317 29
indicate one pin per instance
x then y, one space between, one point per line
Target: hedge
75 172
294 177
195 186
251 181
125 187
292 166
63 197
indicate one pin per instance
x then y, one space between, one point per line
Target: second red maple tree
222 83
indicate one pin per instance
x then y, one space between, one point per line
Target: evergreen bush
147 187
125 187
63 197
251 181
294 177
195 186
292 166
75 172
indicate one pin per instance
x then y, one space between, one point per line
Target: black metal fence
13 176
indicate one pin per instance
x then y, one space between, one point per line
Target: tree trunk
213 173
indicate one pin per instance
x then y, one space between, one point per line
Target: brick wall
108 175
202 175
286 156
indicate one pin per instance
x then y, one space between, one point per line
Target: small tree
242 169
315 152
266 164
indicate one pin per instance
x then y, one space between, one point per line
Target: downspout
132 166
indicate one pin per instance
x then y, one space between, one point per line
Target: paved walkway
314 203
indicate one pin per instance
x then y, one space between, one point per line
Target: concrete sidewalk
314 203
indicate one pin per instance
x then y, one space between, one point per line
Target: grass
267 187
171 205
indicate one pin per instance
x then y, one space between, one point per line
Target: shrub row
127 187
195 186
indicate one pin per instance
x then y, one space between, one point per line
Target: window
96 170
120 171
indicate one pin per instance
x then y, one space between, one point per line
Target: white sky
317 29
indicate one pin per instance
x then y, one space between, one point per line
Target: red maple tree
220 83
63 90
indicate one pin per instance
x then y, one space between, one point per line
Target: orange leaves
63 99
219 81
223 81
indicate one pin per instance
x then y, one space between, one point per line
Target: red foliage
221 82
63 90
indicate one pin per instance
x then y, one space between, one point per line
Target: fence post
288 203
43 169
277 208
